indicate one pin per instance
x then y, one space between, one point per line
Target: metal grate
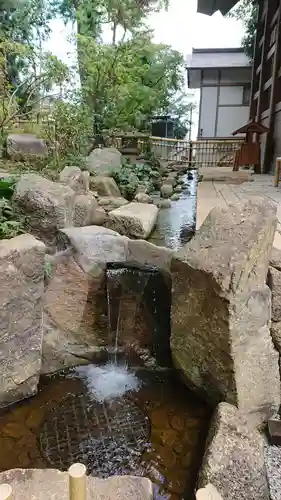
107 437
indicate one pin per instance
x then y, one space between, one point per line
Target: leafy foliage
9 225
130 176
247 11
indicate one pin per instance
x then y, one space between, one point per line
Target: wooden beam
266 34
269 145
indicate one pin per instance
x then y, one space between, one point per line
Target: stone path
212 193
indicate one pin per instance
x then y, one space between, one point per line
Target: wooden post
77 482
277 171
5 492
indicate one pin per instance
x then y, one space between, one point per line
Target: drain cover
107 437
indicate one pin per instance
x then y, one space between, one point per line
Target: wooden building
265 105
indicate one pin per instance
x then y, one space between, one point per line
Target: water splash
108 381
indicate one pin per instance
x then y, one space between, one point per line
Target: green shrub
10 226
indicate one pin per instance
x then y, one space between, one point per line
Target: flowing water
129 416
176 225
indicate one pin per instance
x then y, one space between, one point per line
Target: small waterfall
125 292
139 303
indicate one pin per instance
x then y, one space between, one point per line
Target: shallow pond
156 429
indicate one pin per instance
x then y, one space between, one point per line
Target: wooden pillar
269 143
266 34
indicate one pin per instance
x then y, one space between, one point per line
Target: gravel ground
273 465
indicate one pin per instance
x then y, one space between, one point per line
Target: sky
181 27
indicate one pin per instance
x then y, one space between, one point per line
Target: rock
21 332
75 179
164 203
275 331
274 283
105 186
52 484
99 216
85 206
75 314
166 190
274 429
208 493
135 220
228 354
47 206
103 160
143 198
145 253
175 197
109 203
21 146
234 458
275 258
178 189
94 246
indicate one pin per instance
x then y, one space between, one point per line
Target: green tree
247 11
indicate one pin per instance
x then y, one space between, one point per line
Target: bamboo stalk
77 482
5 492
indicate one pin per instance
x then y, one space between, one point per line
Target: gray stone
75 179
274 429
109 203
175 197
105 186
275 258
47 206
51 484
145 253
274 283
99 216
103 160
275 330
94 246
85 206
221 310
21 331
166 190
164 203
234 458
135 220
143 198
178 189
20 146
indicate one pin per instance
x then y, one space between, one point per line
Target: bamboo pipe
5 492
77 482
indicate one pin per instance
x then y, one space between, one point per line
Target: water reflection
176 225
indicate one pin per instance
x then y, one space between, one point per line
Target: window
246 95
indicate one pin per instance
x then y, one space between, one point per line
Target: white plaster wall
209 96
231 95
230 118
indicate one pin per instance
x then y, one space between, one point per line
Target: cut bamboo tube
77 482
277 171
5 492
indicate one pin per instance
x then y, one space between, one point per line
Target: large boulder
166 190
52 484
47 206
75 179
75 315
105 186
21 330
234 458
222 308
22 146
103 160
135 220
